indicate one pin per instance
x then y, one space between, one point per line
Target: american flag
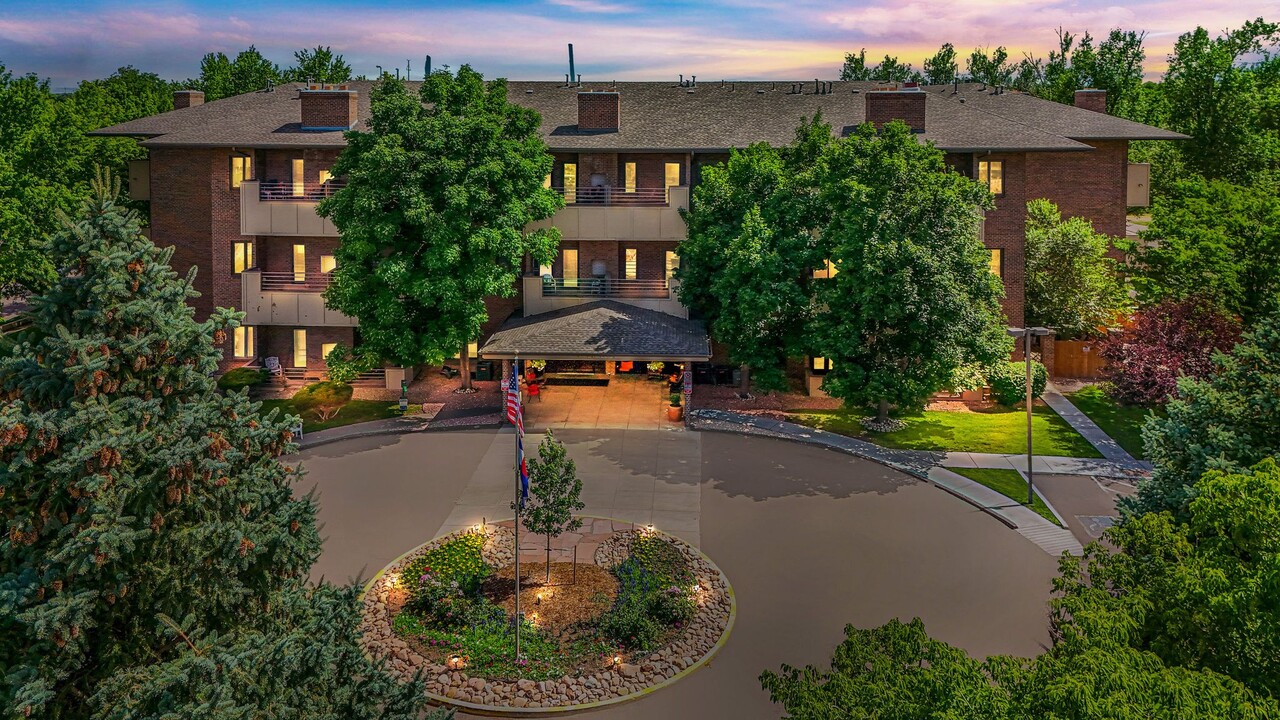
515 415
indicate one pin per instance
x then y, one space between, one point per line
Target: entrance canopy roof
600 330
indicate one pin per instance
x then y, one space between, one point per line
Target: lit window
241 169
299 263
327 263
299 177
546 182
672 175
325 176
629 177
544 270
991 174
241 256
569 262
673 264
820 365
828 270
570 182
630 261
242 342
327 348
299 348
997 262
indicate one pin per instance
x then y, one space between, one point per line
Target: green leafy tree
1213 234
1115 65
1225 422
222 77
321 65
123 564
555 494
914 297
439 192
1072 285
889 70
942 67
991 68
855 66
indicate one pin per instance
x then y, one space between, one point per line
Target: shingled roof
663 116
598 330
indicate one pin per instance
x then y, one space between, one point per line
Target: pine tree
146 517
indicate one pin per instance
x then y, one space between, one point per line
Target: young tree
855 66
321 65
147 519
942 67
222 77
554 494
439 192
991 68
1165 342
1115 65
1213 234
1223 422
913 297
1072 286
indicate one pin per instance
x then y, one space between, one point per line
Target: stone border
693 647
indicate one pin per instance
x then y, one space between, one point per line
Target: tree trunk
745 390
882 413
464 364
548 559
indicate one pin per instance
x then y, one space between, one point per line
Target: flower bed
645 607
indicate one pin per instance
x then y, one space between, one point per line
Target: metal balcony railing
605 287
286 190
615 197
295 282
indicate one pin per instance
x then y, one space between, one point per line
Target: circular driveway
811 540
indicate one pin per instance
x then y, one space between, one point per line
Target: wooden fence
1077 359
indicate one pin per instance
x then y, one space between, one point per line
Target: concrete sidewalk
1088 429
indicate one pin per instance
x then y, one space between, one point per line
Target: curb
391 430
499 711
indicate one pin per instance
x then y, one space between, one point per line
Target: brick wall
605 164
599 110
277 165
602 250
1084 184
1090 99
905 105
277 341
328 108
651 259
651 168
187 98
1006 229
275 254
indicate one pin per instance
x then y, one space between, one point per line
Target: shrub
673 605
1008 381
325 398
661 560
630 626
1173 339
458 561
241 378
343 365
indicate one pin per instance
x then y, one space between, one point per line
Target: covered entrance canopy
600 330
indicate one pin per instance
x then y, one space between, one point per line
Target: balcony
284 208
610 214
546 294
275 298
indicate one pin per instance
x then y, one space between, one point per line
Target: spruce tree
147 520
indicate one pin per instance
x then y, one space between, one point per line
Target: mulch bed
559 603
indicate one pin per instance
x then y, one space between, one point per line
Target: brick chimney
884 106
1090 99
328 107
187 98
599 111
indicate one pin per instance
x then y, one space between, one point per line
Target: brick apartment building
233 186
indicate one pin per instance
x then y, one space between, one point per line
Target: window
299 177
570 182
997 262
299 263
630 259
242 342
828 270
569 261
241 256
672 175
326 348
327 263
544 270
991 174
672 263
629 177
820 366
241 170
546 182
325 176
299 348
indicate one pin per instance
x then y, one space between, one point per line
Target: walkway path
1087 428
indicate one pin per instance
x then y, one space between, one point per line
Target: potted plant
674 412
655 369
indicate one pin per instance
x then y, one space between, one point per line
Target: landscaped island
637 609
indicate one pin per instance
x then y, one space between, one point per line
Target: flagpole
515 378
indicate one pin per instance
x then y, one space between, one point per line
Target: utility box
1139 191
139 179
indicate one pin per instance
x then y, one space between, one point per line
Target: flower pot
674 413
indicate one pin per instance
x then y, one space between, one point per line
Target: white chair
297 430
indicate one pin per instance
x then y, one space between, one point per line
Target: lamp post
1026 334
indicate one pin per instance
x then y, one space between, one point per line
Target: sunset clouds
613 39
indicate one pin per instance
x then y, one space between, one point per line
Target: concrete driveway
1085 502
809 538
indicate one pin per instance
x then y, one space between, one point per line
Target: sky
613 39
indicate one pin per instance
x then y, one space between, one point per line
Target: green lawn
997 430
1008 483
1122 422
353 412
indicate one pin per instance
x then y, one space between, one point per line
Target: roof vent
328 107
599 111
885 106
